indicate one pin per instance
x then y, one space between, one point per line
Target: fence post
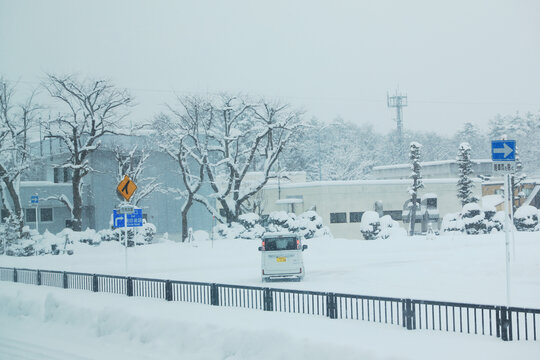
14 274
65 277
38 277
268 300
331 306
129 286
214 294
409 318
498 321
504 322
168 290
95 283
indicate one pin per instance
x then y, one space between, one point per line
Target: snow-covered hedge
136 236
251 226
526 218
33 243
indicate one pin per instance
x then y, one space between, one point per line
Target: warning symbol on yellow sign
126 188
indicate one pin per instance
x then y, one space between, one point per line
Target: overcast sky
458 61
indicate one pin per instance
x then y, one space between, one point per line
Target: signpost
127 215
503 154
34 201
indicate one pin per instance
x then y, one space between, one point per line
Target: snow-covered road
450 268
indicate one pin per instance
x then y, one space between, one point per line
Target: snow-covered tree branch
89 109
16 121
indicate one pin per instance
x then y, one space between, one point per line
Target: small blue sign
135 219
34 199
503 150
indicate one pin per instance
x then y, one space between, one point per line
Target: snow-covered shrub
370 226
310 225
491 222
280 221
473 219
526 218
251 224
9 232
452 223
136 235
390 228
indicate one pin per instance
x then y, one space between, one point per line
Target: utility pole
398 101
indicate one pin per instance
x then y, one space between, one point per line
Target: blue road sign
503 150
135 219
34 199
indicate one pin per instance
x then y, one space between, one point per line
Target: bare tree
132 163
92 108
183 137
15 125
244 137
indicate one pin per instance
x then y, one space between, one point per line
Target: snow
489 202
49 323
457 267
74 324
526 211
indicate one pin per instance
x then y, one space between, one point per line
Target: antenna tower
398 101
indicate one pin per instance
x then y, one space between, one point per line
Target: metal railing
507 323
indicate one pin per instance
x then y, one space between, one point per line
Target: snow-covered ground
450 268
49 323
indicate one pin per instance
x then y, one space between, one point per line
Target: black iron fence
507 323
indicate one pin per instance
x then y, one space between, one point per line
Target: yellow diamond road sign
126 188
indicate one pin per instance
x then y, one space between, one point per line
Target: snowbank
73 324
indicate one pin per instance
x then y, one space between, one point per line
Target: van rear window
288 243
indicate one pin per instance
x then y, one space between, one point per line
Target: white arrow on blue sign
135 219
34 199
503 150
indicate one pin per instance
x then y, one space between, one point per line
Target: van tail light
297 244
300 270
263 272
263 245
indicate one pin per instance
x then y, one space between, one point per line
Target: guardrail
507 323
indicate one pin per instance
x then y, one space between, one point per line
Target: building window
394 214
4 214
338 218
46 214
30 215
62 175
355 217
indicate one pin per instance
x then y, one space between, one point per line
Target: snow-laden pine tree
416 176
465 184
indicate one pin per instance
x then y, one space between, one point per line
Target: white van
281 256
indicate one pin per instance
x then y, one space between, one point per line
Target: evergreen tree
465 183
416 176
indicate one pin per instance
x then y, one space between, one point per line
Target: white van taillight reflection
297 244
263 245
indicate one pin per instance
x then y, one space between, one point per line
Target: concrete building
441 169
342 203
47 180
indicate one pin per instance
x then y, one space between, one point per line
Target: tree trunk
77 202
16 203
185 211
413 214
